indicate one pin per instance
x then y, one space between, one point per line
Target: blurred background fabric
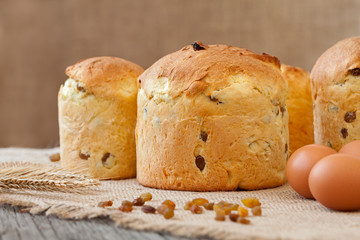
40 38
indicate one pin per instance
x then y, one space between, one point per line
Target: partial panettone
300 107
335 80
212 117
97 117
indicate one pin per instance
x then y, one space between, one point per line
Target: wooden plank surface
15 225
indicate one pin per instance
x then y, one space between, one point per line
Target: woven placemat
285 214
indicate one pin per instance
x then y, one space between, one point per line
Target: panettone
212 117
97 117
300 107
335 80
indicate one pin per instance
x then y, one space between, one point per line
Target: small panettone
300 107
212 117
335 80
97 117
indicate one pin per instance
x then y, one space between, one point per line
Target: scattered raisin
105 157
146 196
286 147
169 203
55 157
350 117
222 209
355 72
251 202
84 156
195 209
344 132
125 208
243 212
138 202
168 213
200 201
105 204
148 209
188 205
197 47
200 162
243 220
161 209
203 136
233 217
256 211
220 217
209 206
233 207
126 203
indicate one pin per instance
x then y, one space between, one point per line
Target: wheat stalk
36 176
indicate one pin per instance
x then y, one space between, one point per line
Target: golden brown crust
335 82
232 96
334 64
103 76
299 104
97 117
187 66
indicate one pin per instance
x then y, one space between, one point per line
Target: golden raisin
234 217
256 211
148 209
169 203
209 206
105 204
200 201
55 157
125 208
243 220
223 203
146 196
188 205
168 213
227 210
126 203
243 212
161 209
196 209
220 217
233 207
251 202
138 202
217 207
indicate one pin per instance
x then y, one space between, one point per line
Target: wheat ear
35 176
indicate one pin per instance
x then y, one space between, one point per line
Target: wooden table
17 225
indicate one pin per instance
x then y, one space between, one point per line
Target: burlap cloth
286 215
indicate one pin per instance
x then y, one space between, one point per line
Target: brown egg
300 164
352 148
335 182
